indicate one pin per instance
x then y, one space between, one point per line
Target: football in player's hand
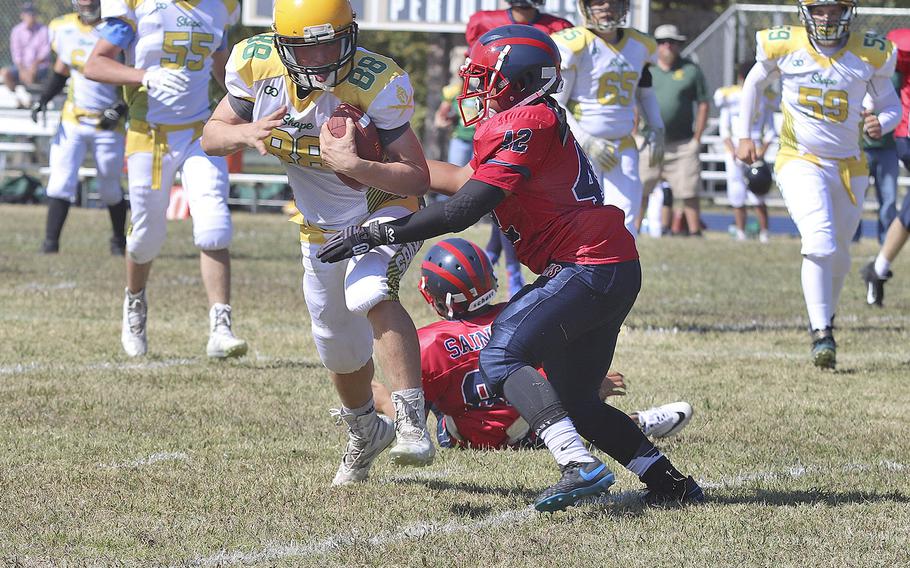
365 137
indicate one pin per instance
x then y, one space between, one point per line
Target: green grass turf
175 460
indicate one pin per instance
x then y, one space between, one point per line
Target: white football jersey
727 101
822 96
602 79
178 35
73 41
377 86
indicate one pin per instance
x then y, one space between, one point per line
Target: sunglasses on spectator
669 41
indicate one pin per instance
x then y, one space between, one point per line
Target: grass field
172 460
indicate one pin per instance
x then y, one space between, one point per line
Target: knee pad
364 294
144 242
213 239
109 189
820 244
344 349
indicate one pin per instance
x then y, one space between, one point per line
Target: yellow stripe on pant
847 168
152 138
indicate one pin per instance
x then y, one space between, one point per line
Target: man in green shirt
683 99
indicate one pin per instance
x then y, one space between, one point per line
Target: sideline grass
174 460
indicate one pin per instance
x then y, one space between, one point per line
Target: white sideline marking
124 366
42 287
152 459
796 472
301 550
414 531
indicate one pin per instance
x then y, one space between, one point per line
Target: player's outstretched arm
446 178
466 207
405 172
226 132
103 66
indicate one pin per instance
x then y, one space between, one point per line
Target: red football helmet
512 65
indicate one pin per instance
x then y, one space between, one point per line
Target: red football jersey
901 38
554 211
484 21
450 354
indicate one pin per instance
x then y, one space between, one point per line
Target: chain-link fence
730 39
10 16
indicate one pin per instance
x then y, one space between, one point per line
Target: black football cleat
578 480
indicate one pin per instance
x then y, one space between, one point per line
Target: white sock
565 444
361 410
882 266
817 290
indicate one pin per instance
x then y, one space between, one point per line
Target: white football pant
68 150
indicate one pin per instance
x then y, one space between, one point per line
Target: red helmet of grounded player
526 3
456 278
510 65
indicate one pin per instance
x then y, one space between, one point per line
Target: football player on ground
529 168
282 89
826 71
605 69
458 280
172 49
727 100
519 12
877 272
91 116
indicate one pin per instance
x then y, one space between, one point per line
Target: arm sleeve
52 87
474 200
118 32
650 108
725 127
646 80
243 108
756 81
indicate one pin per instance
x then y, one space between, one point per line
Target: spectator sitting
30 49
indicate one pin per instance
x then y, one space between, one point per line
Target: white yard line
301 550
152 459
100 366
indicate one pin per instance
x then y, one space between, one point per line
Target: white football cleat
222 343
133 335
368 435
664 421
414 445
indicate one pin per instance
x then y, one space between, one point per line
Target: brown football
366 138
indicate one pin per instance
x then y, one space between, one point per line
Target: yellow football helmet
316 40
833 30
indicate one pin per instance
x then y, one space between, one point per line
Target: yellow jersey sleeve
648 42
874 50
775 43
54 28
253 59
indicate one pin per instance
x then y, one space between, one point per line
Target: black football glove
354 241
37 108
111 116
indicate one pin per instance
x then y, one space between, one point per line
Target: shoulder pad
255 59
782 40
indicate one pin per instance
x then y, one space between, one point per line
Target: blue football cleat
578 480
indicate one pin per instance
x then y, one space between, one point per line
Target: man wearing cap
680 88
30 48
